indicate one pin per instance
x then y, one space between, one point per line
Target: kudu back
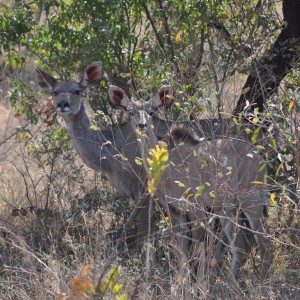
112 150
223 176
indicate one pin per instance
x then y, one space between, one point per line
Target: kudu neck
79 126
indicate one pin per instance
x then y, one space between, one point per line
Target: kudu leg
255 217
180 230
180 245
144 222
237 238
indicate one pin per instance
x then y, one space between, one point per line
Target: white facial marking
142 120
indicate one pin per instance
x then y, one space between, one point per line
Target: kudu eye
131 113
77 92
151 113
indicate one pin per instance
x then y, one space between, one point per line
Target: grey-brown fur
111 151
229 170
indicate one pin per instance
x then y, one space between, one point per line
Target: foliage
81 287
157 165
142 44
202 48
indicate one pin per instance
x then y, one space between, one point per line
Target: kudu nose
63 105
142 126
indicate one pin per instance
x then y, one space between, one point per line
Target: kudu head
67 94
139 112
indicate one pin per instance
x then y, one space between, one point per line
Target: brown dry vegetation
59 223
57 216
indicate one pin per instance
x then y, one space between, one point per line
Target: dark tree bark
268 71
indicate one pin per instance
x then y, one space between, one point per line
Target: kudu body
222 176
111 151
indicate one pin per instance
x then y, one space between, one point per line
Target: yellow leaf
257 182
291 105
177 104
93 127
125 75
229 169
138 161
121 156
201 224
162 144
248 130
260 147
150 187
212 194
117 288
272 198
157 165
178 37
138 132
255 120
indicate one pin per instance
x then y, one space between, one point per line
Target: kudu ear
117 98
92 74
44 79
164 97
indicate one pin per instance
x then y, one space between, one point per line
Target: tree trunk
268 71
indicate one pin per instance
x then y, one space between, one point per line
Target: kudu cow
112 150
224 177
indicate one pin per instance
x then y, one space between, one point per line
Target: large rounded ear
44 79
117 98
92 74
164 97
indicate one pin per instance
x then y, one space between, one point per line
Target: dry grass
59 216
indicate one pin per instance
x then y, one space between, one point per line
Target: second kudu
224 177
112 150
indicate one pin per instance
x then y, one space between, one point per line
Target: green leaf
255 135
180 184
263 166
102 287
279 168
113 276
205 162
273 142
200 190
